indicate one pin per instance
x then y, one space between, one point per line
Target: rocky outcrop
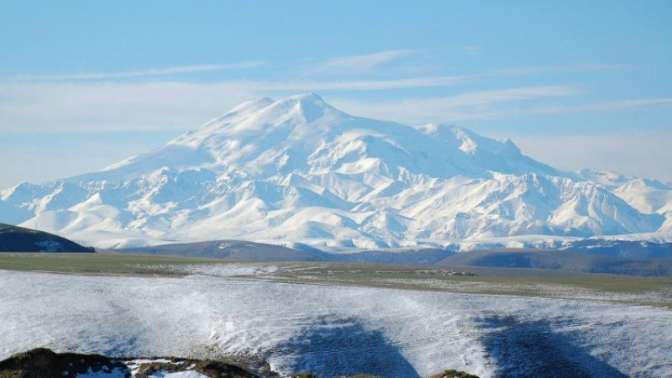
45 363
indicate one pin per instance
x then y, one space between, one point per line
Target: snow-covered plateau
297 170
332 330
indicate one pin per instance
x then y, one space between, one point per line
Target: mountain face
298 170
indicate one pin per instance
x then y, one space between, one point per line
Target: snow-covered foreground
328 329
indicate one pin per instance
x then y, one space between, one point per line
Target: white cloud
40 161
609 106
96 102
165 71
160 105
113 106
109 106
533 70
481 105
466 106
365 62
472 50
361 85
631 152
94 107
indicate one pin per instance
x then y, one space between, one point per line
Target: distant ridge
585 256
232 250
243 251
19 239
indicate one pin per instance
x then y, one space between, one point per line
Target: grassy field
96 263
527 282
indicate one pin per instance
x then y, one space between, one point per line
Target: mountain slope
298 170
19 239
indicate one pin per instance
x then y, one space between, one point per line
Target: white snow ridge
299 170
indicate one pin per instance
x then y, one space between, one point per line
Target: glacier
298 170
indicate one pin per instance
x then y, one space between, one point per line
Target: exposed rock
44 363
453 374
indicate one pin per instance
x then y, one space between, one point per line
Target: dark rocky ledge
44 363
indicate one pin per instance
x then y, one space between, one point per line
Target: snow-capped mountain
298 170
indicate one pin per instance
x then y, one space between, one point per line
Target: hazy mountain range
298 171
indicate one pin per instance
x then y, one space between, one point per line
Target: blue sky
575 84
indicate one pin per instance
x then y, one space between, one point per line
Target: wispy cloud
360 85
150 72
161 105
108 106
507 95
533 70
432 81
609 106
472 50
93 103
636 152
489 105
363 63
465 106
114 106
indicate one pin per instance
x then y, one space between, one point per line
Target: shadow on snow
532 349
332 348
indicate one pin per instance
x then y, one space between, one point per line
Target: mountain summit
299 170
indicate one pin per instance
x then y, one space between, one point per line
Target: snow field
324 329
